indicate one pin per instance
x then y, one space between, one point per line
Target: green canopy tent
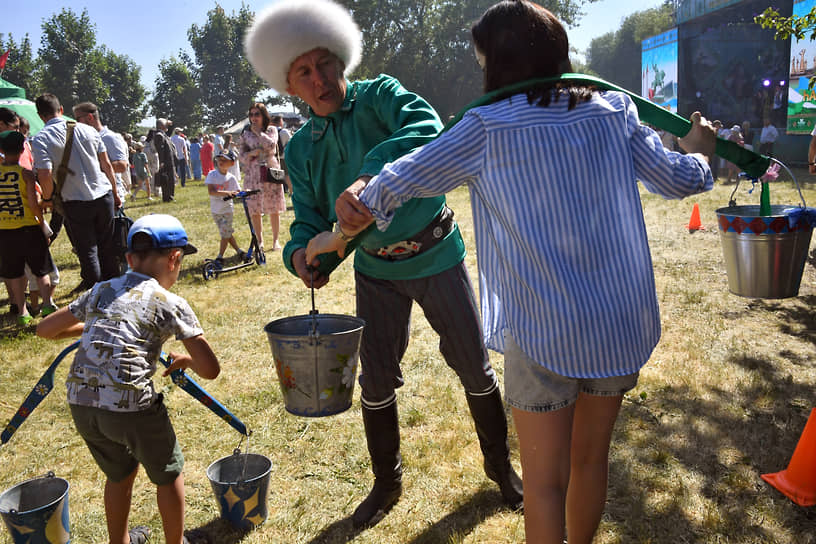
13 98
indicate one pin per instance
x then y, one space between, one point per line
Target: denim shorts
121 441
531 387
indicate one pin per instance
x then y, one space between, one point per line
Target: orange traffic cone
798 481
694 222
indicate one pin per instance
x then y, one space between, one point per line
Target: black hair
48 105
521 40
12 143
142 244
8 116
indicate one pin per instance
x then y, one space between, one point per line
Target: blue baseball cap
165 231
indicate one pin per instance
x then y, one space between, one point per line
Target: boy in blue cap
123 323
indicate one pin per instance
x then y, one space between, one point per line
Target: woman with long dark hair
565 274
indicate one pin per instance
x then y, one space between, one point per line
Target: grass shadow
464 519
712 448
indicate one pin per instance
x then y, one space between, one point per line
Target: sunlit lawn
724 399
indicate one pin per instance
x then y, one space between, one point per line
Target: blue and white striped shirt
564 262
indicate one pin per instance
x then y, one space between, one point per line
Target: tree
227 81
616 56
426 44
20 65
798 26
177 96
69 64
124 106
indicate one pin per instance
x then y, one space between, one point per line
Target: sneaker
24 320
261 257
48 309
219 262
241 254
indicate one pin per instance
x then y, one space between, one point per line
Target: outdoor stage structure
719 61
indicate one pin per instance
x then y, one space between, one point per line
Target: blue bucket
36 511
241 486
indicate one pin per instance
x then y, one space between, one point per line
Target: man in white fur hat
306 48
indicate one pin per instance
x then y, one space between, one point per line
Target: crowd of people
106 169
372 152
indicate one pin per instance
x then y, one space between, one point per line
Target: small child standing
141 171
116 409
221 183
22 239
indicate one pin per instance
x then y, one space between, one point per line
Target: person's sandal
139 535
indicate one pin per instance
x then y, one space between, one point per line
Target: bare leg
257 225
117 508
544 440
592 427
44 283
233 243
222 246
16 288
274 221
170 498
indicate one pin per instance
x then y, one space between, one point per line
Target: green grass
727 393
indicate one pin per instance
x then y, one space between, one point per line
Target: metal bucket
241 485
316 361
36 511
764 255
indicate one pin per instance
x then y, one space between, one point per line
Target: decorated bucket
316 361
36 511
241 485
764 254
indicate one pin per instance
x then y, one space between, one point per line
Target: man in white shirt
182 155
767 138
88 194
88 113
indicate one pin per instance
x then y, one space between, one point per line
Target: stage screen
733 70
659 69
801 99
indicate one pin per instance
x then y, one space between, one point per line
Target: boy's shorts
224 223
121 441
531 387
25 245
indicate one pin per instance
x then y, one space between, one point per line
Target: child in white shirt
221 183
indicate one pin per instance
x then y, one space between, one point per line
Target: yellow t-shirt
15 211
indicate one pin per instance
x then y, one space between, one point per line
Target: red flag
4 58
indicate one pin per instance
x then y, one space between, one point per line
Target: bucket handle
314 312
733 201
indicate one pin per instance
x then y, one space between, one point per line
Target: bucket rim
52 503
358 321
232 455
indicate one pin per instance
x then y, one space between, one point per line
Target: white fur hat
289 28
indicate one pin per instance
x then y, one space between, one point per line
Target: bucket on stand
764 255
36 511
241 485
316 361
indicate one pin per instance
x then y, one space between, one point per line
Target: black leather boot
382 434
491 427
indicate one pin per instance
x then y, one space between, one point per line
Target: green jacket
378 122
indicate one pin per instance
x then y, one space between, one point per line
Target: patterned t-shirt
127 319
